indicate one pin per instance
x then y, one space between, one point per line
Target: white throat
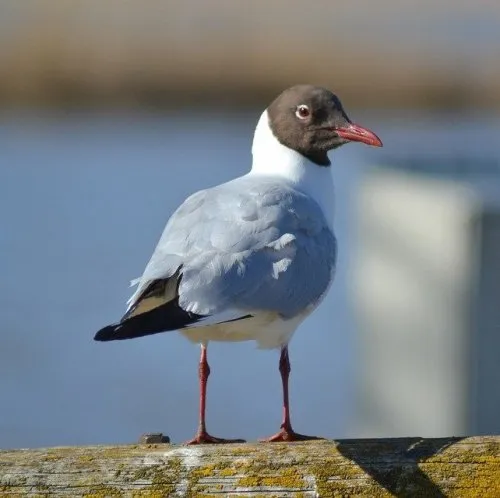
271 158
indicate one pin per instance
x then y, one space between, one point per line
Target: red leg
202 436
286 433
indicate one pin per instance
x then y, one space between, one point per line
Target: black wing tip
108 333
169 316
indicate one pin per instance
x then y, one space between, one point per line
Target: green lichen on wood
102 492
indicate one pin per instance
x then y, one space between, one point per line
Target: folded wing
242 247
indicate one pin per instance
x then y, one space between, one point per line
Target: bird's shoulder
246 199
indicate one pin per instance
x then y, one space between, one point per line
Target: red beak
356 133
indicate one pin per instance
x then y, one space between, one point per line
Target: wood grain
406 467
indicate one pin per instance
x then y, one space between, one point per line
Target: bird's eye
302 111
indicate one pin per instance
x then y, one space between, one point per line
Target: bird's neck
271 158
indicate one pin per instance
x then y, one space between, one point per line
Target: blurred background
111 113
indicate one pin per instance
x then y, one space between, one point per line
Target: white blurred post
426 288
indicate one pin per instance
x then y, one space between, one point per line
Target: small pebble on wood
153 438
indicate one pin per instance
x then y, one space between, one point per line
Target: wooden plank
413 467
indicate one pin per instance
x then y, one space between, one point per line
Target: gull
251 258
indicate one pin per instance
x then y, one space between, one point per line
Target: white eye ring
302 111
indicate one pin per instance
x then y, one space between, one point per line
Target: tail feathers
169 316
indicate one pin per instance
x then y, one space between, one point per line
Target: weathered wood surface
409 467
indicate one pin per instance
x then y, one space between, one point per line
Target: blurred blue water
83 199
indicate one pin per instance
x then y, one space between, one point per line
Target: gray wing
249 245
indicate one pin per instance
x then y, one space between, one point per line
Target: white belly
268 329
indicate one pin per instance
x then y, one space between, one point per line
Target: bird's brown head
312 121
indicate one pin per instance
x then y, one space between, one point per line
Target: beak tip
356 133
